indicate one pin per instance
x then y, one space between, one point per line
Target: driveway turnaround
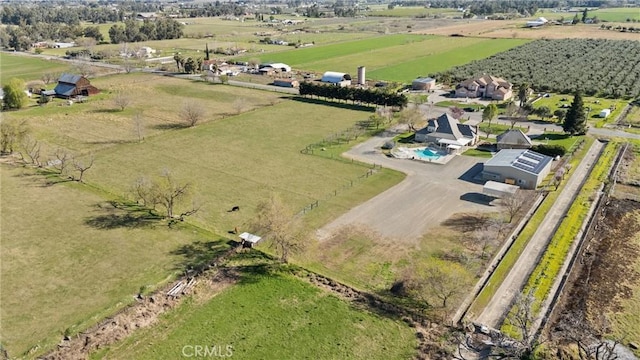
495 312
429 194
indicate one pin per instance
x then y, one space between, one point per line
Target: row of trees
365 96
21 37
601 67
132 31
61 13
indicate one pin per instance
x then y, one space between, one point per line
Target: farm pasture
272 315
595 104
28 68
69 258
230 160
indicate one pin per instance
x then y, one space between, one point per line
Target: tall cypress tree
206 52
575 122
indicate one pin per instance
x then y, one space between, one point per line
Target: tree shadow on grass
552 136
333 103
106 111
201 255
466 222
171 126
114 215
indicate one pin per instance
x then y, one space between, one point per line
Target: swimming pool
426 154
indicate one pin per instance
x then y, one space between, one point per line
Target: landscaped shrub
550 150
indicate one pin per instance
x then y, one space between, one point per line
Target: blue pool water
426 154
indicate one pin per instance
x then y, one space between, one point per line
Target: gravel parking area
429 195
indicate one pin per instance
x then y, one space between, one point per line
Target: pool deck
408 154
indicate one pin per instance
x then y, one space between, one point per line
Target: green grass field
393 57
556 101
271 316
67 261
229 159
616 14
28 68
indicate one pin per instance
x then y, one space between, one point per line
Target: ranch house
445 131
485 86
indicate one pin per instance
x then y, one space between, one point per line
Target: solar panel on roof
534 155
523 166
528 162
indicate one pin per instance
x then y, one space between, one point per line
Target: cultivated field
603 67
617 14
275 316
397 57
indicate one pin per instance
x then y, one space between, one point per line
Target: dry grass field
515 29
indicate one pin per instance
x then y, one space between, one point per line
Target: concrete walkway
497 309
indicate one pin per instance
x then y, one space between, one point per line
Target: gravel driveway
429 194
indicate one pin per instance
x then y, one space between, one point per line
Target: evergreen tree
575 122
206 52
585 14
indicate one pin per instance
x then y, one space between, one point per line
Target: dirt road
430 194
493 315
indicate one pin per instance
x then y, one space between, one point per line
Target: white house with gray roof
445 131
521 167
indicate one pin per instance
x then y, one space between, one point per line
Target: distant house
70 85
146 52
538 22
146 16
485 86
279 67
513 139
291 83
448 132
336 78
605 113
423 83
521 167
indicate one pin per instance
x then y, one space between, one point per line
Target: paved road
430 194
493 315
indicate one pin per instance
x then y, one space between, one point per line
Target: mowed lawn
271 316
66 262
28 68
398 57
241 160
616 14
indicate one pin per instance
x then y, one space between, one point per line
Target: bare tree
49 77
558 176
488 235
62 161
238 105
411 116
277 223
138 126
192 113
143 190
83 166
522 317
513 203
121 100
31 148
445 282
84 68
11 135
166 192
